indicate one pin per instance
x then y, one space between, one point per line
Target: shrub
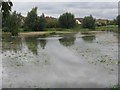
88 22
67 20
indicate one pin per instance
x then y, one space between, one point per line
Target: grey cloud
119 8
80 9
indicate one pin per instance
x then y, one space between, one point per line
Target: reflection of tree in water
67 41
32 44
11 43
43 43
89 38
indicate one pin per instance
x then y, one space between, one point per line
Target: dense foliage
31 20
42 22
52 23
67 20
6 8
12 23
88 22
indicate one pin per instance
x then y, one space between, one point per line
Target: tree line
12 21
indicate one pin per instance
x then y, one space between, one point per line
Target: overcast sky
106 10
66 0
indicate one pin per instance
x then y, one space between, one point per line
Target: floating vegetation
67 41
20 56
102 61
89 38
19 64
112 69
82 55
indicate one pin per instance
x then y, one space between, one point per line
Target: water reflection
11 43
67 41
90 38
58 66
43 43
15 43
32 44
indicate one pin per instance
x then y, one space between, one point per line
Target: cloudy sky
67 0
106 10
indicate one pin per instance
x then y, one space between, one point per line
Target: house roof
80 19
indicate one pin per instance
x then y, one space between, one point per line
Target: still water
60 61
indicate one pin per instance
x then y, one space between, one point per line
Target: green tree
88 22
52 23
112 22
42 22
10 21
67 20
6 8
31 20
13 23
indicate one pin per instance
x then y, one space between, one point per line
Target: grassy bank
80 29
36 33
42 33
113 28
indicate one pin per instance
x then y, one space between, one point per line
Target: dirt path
40 33
31 33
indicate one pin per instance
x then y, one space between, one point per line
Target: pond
76 60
